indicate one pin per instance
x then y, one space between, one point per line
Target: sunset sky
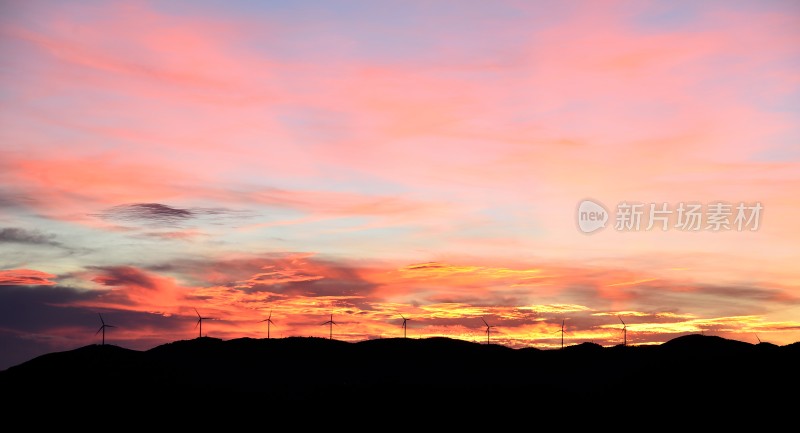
369 159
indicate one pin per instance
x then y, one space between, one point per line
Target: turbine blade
198 322
101 319
620 319
484 322
110 326
270 315
195 310
98 331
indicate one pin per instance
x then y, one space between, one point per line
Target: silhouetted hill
792 348
303 369
709 344
584 348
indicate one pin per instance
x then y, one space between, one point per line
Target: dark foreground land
417 371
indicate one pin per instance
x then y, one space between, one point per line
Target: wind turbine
624 332
103 328
759 340
488 329
269 321
200 321
404 325
331 323
562 333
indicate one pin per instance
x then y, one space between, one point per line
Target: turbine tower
562 333
103 328
624 332
331 323
200 322
404 325
269 321
488 329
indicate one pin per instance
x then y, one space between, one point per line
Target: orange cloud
238 304
25 277
130 288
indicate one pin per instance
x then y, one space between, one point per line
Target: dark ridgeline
309 369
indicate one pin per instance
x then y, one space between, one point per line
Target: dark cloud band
28 237
162 215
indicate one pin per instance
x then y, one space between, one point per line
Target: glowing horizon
373 159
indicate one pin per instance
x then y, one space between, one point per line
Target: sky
530 164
